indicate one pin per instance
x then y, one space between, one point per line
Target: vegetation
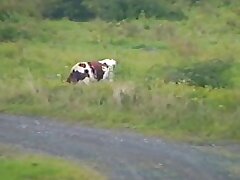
17 166
177 77
80 10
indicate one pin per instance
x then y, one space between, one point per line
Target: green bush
211 73
131 9
9 10
72 9
11 32
8 33
81 10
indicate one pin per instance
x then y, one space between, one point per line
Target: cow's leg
110 74
106 73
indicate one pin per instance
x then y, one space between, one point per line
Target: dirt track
121 156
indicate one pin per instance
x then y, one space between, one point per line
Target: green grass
37 60
15 165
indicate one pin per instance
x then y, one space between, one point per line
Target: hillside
180 76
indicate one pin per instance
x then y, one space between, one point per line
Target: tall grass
199 101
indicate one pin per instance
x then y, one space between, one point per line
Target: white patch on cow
111 63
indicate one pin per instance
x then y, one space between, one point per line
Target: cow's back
97 69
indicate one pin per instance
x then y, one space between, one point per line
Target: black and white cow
91 71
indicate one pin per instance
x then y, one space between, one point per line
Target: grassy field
15 165
201 53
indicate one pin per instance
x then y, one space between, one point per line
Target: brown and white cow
87 72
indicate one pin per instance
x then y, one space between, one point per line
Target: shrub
210 73
11 32
73 9
8 33
129 9
81 10
10 10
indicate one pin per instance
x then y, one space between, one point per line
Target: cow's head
110 63
76 76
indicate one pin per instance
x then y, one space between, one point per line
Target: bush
9 32
81 10
9 10
73 9
131 9
210 73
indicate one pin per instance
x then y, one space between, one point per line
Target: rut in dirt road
120 156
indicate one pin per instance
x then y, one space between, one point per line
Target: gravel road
122 156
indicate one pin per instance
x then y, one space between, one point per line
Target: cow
92 71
